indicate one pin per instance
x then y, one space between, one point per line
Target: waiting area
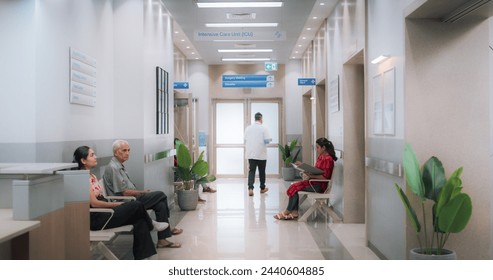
231 225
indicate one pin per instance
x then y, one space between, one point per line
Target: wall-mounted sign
306 81
181 85
240 34
248 81
270 66
82 78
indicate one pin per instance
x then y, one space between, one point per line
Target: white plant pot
417 254
187 199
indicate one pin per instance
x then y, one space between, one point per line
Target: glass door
231 117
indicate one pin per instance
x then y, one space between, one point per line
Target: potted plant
192 174
450 209
288 157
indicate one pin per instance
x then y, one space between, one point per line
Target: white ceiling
297 18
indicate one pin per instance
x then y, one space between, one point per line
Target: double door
231 117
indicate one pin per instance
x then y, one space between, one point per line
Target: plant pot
288 173
187 199
417 254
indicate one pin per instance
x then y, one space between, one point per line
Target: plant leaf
455 214
409 209
433 178
200 168
412 172
449 190
183 156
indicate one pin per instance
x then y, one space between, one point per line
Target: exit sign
270 66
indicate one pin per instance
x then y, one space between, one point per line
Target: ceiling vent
245 46
241 15
464 10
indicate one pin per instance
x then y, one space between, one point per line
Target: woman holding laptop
325 162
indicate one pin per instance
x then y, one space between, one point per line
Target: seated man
117 182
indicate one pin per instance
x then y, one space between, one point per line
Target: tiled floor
233 226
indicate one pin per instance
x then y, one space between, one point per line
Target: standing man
117 182
256 139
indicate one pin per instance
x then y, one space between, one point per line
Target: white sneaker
159 226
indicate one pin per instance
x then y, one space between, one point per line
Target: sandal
176 231
280 216
168 245
209 189
290 217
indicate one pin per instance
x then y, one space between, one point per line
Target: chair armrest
103 210
119 197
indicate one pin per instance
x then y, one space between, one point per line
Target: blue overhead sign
306 81
181 85
247 81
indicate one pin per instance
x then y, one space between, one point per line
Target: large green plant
187 170
287 152
451 209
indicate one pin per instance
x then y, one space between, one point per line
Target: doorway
231 117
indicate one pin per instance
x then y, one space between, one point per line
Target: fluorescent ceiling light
244 50
380 59
246 59
239 4
246 24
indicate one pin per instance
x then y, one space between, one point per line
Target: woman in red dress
325 161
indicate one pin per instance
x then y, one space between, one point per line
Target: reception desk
35 192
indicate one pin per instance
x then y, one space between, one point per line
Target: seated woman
325 161
128 213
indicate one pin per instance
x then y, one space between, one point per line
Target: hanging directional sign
181 85
306 81
248 81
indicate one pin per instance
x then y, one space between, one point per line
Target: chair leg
309 211
106 251
332 213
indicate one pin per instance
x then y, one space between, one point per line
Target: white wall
293 98
385 214
17 72
198 75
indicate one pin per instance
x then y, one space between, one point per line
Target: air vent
464 10
241 15
245 46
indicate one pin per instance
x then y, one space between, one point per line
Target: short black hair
258 116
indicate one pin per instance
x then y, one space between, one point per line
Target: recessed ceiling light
243 50
322 4
183 40
246 59
315 17
188 47
300 46
246 24
276 4
176 32
308 28
193 52
303 38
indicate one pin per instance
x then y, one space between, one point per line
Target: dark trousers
157 201
293 201
253 164
130 213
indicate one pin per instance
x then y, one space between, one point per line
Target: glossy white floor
232 226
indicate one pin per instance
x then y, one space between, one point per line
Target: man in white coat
256 139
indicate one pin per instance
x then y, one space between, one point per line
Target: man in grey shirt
117 182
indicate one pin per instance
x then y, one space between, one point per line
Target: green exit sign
270 66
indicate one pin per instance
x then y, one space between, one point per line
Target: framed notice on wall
389 102
377 104
334 95
162 101
82 78
383 87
